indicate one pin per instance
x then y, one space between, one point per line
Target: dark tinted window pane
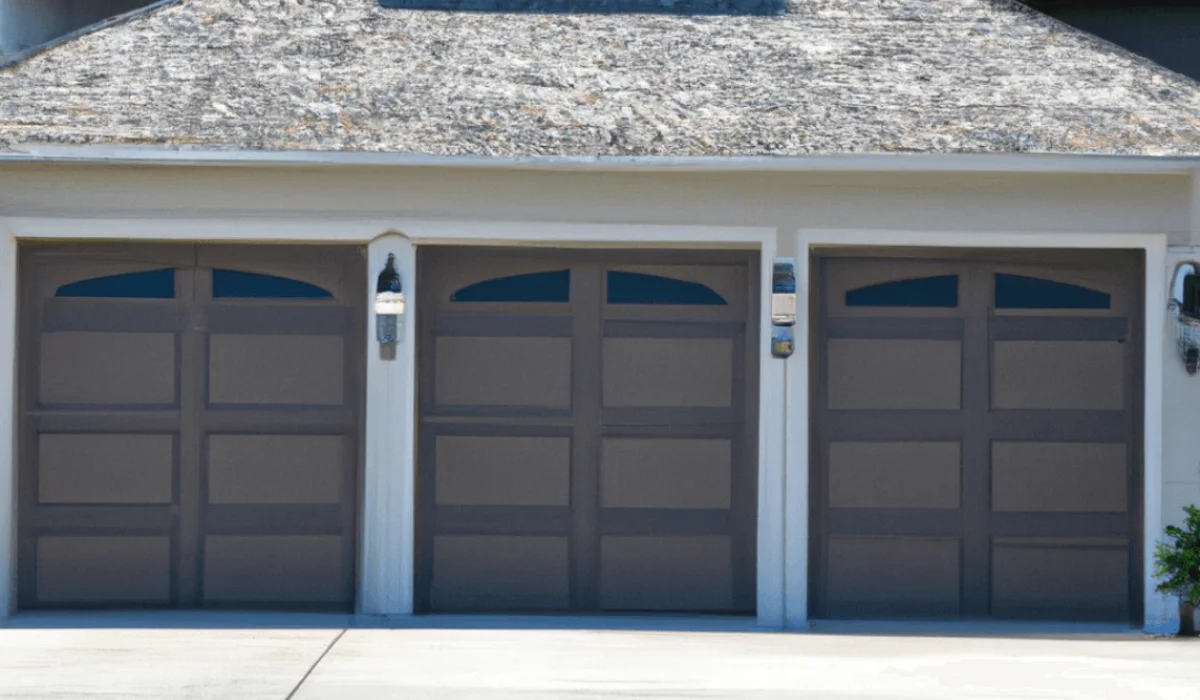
152 284
638 288
232 284
535 287
936 292
1018 292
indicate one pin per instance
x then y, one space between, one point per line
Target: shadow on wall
666 7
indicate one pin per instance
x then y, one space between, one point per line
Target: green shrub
1177 562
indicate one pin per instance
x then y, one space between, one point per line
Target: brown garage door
977 436
189 425
586 439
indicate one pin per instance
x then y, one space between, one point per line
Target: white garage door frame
387 533
385 585
1158 615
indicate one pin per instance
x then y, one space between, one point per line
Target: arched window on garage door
150 284
545 287
640 288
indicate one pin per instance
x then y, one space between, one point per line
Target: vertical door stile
586 339
192 371
975 504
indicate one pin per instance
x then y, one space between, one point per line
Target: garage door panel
492 470
1058 374
276 468
274 569
1065 476
894 374
666 573
894 474
100 570
665 473
105 469
683 372
893 575
1057 578
291 370
500 573
502 371
107 369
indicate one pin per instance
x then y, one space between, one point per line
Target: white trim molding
8 424
1157 613
386 552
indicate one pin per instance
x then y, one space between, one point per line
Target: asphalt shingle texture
822 77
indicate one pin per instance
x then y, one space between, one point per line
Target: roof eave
1081 163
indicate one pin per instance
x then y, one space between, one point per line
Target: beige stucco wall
946 201
1181 418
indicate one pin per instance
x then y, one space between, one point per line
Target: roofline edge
1064 163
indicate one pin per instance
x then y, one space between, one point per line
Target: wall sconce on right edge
1185 303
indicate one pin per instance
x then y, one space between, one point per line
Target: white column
797 479
388 507
771 467
8 427
1159 615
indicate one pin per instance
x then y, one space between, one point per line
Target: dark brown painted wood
587 320
587 285
192 316
975 426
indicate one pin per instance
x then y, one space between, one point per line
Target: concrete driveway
168 656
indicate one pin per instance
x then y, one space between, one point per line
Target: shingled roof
822 77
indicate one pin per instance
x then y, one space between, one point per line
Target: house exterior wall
778 213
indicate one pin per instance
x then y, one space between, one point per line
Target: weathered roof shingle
827 76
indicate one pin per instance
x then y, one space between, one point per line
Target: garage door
586 439
978 432
190 425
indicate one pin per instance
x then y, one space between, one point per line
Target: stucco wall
1181 418
943 202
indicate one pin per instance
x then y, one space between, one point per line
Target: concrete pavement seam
316 663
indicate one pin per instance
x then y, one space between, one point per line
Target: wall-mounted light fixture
783 307
389 309
1185 302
